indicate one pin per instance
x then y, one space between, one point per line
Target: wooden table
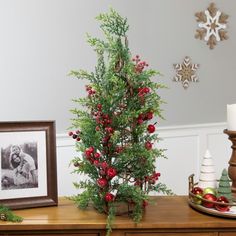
168 216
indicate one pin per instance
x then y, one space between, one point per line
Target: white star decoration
212 25
186 72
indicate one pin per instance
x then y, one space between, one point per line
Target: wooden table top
165 212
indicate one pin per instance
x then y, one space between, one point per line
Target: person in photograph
24 169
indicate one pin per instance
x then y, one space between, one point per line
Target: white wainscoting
185 147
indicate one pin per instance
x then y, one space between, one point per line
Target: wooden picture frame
28 168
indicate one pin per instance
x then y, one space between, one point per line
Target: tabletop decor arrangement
217 197
115 133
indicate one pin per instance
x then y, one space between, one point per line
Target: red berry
140 90
78 139
109 130
156 175
91 149
97 155
70 133
109 197
111 172
145 203
149 115
102 182
139 121
102 172
108 121
97 128
87 153
96 162
151 128
106 139
104 165
148 145
77 131
88 87
119 149
146 90
74 136
99 106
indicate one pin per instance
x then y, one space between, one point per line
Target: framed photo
28 168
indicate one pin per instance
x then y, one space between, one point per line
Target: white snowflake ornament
186 72
212 26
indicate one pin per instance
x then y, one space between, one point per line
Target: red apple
221 207
209 197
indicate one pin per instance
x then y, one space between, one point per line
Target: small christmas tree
225 186
207 172
114 133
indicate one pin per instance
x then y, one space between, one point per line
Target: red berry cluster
101 118
119 149
75 135
107 173
91 155
143 91
104 169
104 122
148 179
143 117
90 90
153 178
139 65
141 94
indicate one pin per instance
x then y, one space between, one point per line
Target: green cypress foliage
114 130
224 186
6 214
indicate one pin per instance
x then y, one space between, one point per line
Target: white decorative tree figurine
207 172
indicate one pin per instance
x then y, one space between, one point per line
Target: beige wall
42 40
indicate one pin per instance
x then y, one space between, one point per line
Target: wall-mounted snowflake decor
212 24
186 72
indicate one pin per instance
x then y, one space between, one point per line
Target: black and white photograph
28 164
19 166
